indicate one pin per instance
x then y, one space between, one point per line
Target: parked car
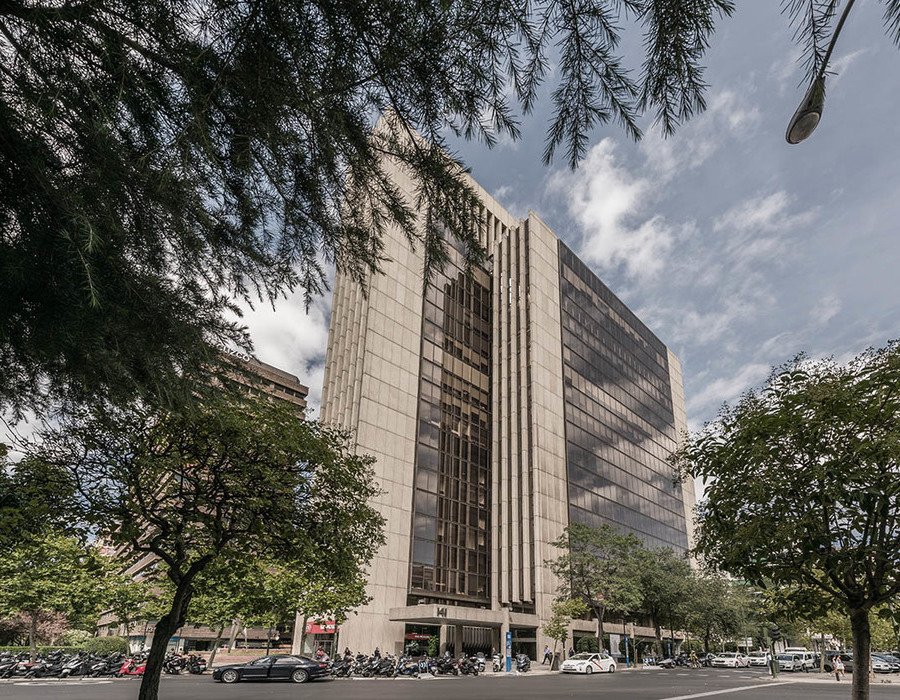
588 663
892 662
759 658
278 667
881 665
730 659
790 662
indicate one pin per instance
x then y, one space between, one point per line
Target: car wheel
612 668
588 670
299 676
230 676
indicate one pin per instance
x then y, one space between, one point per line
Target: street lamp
809 113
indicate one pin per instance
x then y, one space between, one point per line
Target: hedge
42 649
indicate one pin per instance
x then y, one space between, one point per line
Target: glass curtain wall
451 546
620 426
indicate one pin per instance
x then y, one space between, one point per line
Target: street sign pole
509 651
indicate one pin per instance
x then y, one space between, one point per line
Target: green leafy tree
599 566
155 178
664 584
209 482
818 516
715 609
562 612
51 574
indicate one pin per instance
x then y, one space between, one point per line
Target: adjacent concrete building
501 406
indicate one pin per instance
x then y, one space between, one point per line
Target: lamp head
808 114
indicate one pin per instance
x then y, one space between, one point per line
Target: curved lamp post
809 113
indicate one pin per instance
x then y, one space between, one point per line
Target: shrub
586 644
41 649
105 645
75 638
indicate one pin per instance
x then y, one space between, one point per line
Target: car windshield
729 655
582 657
785 657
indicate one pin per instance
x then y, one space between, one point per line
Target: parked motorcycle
523 663
406 667
132 666
497 663
467 666
445 664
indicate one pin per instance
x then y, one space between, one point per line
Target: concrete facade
374 375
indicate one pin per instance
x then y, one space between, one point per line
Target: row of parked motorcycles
176 663
58 664
390 666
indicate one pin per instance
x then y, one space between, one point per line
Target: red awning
321 627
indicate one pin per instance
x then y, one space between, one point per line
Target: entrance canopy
458 615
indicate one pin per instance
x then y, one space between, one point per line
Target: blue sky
738 250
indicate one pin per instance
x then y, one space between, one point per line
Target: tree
715 609
803 488
664 582
231 475
561 613
151 174
598 567
48 576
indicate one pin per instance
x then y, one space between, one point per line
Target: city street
640 685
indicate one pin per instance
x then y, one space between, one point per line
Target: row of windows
653 453
588 396
574 266
592 363
655 521
598 320
604 484
642 481
427 578
578 515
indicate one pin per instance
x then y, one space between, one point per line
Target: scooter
497 664
479 661
132 666
406 667
523 663
196 664
445 664
467 666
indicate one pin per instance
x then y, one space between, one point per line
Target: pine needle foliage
163 162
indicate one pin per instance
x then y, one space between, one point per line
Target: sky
736 249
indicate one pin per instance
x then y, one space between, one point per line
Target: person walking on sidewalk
838 665
547 655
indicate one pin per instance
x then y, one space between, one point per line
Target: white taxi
588 662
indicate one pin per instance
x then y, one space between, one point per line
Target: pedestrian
838 665
547 655
377 653
571 652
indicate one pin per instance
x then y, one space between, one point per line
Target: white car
759 658
730 659
790 662
587 663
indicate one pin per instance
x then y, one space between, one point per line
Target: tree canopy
599 567
230 476
803 488
151 180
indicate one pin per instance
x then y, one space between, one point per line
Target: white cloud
293 339
839 66
828 307
763 214
607 201
727 389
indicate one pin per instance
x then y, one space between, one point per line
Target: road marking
725 691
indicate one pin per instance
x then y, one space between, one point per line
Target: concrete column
458 641
442 637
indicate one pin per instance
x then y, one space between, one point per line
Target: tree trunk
706 642
235 628
32 636
658 630
162 632
212 656
859 623
598 611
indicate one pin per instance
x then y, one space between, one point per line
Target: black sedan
278 667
